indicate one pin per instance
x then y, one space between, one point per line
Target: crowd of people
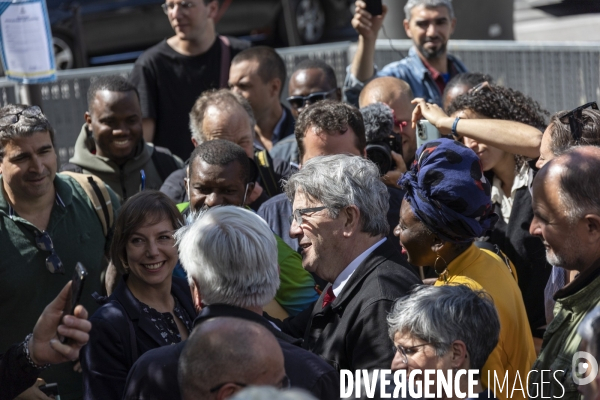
240 247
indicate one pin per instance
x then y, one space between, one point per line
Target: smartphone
374 7
78 279
50 390
426 132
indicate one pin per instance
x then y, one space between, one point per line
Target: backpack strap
266 172
164 162
225 61
98 195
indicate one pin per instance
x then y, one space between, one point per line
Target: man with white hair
339 218
428 67
230 256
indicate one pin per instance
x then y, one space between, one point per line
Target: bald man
397 95
224 355
566 209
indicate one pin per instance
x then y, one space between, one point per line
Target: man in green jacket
47 225
111 144
566 208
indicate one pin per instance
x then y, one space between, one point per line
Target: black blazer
110 353
527 253
154 376
352 331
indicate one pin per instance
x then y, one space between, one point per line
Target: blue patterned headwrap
448 192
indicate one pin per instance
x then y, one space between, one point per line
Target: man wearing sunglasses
312 81
48 224
171 75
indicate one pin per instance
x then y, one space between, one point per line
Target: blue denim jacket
409 69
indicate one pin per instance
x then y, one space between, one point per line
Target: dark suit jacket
111 352
352 331
154 376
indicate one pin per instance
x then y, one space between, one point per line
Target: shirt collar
522 179
343 278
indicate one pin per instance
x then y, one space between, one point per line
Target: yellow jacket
481 269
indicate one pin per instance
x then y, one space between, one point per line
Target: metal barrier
558 75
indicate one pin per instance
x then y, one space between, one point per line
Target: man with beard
566 209
428 67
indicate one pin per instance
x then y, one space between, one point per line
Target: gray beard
432 55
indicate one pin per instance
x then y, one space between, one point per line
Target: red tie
329 297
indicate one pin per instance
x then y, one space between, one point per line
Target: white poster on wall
26 41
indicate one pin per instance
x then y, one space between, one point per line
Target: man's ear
196 295
88 119
228 390
593 227
213 9
406 28
452 25
352 214
460 356
249 188
275 87
194 142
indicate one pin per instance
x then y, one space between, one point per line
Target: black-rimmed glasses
285 383
14 118
298 213
298 102
575 120
184 5
53 263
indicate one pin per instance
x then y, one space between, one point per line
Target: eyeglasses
184 6
53 263
285 383
14 118
405 351
298 102
575 121
297 214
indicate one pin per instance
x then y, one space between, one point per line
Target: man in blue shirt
428 67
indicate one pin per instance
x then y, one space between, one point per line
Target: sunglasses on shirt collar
298 102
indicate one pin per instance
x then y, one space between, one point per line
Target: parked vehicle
95 32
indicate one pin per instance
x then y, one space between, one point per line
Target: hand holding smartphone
374 7
79 275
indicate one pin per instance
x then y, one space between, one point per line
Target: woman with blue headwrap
447 205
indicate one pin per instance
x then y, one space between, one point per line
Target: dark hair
223 152
144 208
330 77
112 83
330 116
270 63
561 137
499 102
24 127
468 79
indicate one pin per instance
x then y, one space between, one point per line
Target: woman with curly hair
503 147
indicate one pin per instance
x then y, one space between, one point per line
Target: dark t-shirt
169 84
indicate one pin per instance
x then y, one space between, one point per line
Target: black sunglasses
14 118
298 102
53 263
575 120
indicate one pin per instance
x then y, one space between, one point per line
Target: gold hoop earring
442 276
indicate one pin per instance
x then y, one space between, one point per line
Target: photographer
22 363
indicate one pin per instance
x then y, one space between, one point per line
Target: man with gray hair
224 355
566 216
230 256
428 67
339 218
222 114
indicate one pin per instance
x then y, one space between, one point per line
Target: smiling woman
149 308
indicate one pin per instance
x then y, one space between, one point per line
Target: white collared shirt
343 278
522 178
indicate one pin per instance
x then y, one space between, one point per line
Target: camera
381 138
